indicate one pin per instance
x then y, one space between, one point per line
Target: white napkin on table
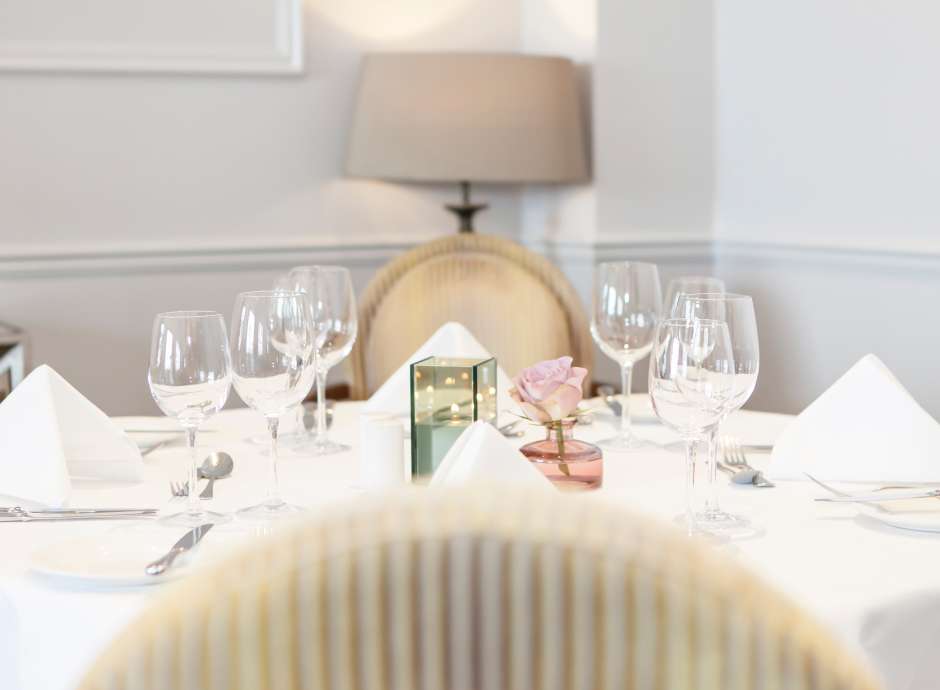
483 455
49 432
866 427
450 340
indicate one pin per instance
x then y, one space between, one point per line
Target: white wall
795 145
122 195
654 117
827 178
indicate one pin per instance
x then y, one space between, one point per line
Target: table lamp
468 117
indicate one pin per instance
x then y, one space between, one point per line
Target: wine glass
689 285
300 434
190 377
691 383
737 311
331 302
627 307
272 370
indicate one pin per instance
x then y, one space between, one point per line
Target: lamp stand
465 210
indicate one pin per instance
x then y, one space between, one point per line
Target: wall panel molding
220 37
124 260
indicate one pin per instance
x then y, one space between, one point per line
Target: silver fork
733 455
181 490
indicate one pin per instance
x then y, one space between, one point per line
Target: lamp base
465 211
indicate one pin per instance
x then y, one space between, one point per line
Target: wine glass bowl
687 285
190 378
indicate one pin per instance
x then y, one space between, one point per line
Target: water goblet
690 393
737 312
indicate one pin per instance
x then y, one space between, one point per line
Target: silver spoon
215 466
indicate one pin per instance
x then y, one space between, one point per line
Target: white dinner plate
112 560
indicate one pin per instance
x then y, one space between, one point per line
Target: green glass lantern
448 394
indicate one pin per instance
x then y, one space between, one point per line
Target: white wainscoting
211 36
89 311
820 309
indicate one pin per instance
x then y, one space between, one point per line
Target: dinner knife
881 496
18 514
188 541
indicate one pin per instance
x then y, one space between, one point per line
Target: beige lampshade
478 117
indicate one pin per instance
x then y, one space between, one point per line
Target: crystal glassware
331 303
190 378
737 312
564 460
627 307
691 382
272 369
688 285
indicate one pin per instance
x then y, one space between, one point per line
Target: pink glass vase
565 461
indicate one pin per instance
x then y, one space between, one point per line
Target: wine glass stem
274 493
321 403
690 449
626 380
193 499
711 473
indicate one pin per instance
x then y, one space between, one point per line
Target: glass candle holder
448 394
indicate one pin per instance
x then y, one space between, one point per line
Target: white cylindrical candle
381 452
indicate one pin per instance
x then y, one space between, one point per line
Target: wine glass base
695 530
720 520
318 446
185 519
274 510
288 440
625 443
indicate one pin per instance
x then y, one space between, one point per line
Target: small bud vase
568 463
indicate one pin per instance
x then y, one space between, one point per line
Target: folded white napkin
50 432
866 427
483 455
450 340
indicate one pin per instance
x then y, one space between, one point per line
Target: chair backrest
475 590
516 302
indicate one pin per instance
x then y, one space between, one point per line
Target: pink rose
549 390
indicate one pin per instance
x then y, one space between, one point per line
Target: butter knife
881 496
188 541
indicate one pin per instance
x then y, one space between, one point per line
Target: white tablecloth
877 588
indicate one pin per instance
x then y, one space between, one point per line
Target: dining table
875 587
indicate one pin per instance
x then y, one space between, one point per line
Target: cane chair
475 590
517 303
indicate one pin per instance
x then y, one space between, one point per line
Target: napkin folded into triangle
50 433
450 340
483 455
866 427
